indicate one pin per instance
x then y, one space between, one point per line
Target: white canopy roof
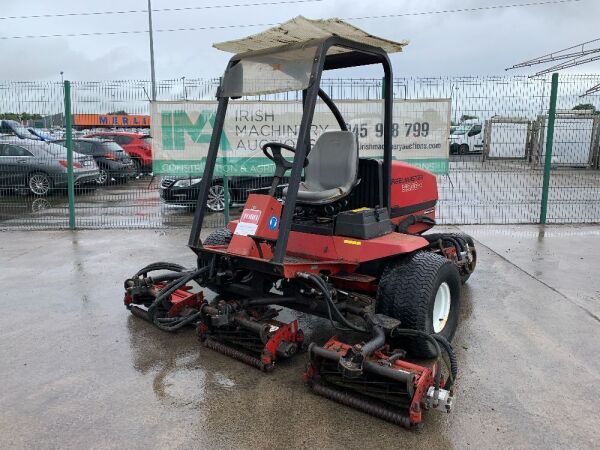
301 29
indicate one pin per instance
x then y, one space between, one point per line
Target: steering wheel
281 164
275 155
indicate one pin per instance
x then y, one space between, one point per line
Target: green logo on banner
176 124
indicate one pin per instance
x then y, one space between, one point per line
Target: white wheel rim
39 184
216 198
441 307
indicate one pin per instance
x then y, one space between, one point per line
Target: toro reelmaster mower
346 240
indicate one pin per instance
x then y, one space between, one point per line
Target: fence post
549 142
225 176
69 143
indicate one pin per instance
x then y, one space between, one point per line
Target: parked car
138 147
41 167
466 138
184 190
40 134
113 163
14 128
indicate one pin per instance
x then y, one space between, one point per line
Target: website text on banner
182 130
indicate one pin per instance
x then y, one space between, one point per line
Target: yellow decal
364 208
348 241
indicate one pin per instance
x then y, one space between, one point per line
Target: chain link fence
497 146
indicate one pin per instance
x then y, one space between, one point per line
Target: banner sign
111 120
181 133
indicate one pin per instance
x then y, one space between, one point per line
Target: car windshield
24 133
53 149
287 70
111 146
461 129
147 140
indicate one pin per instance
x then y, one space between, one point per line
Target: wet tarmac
78 371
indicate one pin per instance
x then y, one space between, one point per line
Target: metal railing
496 176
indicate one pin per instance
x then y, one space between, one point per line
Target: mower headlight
187 182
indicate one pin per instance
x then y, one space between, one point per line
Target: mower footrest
361 404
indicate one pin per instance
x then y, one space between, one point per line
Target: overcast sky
463 43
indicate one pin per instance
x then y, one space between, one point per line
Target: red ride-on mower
347 242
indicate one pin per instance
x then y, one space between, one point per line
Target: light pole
152 76
184 91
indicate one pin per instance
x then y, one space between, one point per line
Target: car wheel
423 292
138 167
216 198
39 184
463 149
103 176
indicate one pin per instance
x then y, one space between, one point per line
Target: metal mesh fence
497 150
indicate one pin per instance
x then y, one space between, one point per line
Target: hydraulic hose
427 336
172 287
170 326
451 357
160 266
375 343
330 303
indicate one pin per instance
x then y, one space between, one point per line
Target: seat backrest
332 162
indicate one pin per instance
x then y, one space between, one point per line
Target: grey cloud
482 42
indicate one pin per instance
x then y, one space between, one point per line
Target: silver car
40 167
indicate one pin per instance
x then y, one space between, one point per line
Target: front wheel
216 198
463 149
103 176
423 292
39 184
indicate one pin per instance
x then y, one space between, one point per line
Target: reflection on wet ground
136 204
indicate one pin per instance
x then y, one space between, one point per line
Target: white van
466 138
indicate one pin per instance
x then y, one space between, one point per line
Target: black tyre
463 149
423 292
221 236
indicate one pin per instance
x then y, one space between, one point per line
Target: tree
586 107
20 117
118 113
467 117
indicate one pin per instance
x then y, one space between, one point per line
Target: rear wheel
423 292
39 184
220 236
